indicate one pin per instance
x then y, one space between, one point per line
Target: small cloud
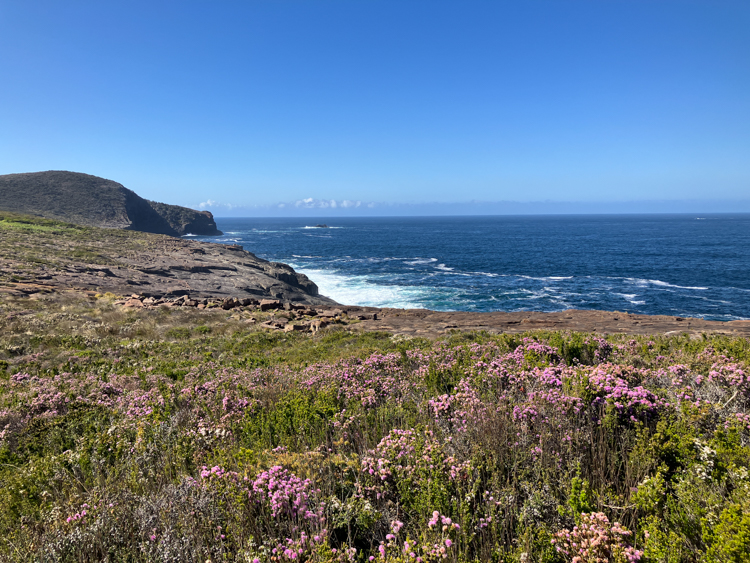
307 203
207 203
330 204
215 204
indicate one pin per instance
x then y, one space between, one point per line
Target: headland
92 201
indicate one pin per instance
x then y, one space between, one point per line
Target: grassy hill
97 202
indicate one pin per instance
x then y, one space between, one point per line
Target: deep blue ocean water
685 265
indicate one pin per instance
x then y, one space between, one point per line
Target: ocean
683 265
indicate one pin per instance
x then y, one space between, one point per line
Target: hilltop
92 201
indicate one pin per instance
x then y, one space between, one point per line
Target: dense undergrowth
182 441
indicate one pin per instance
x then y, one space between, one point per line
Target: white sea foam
659 283
630 298
545 278
365 291
420 261
444 268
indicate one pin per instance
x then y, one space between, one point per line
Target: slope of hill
96 202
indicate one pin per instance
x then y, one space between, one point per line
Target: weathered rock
269 304
274 324
367 316
431 324
330 313
162 266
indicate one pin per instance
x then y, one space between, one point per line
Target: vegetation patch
183 436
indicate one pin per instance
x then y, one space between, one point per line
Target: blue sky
248 106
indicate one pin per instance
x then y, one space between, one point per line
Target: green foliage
670 445
580 496
729 539
664 545
178 333
296 418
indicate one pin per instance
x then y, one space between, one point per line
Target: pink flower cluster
596 540
287 494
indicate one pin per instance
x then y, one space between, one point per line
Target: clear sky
261 103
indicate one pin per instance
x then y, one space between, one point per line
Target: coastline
39 257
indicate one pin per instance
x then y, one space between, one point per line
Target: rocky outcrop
88 200
187 221
431 324
58 257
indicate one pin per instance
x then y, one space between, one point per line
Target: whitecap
659 283
665 284
630 298
421 261
545 278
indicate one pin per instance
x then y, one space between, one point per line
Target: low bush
235 445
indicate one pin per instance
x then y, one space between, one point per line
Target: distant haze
404 107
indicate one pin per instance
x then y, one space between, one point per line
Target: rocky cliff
88 200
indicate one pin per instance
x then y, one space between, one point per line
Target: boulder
269 304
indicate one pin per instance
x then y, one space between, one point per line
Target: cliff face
186 221
96 202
